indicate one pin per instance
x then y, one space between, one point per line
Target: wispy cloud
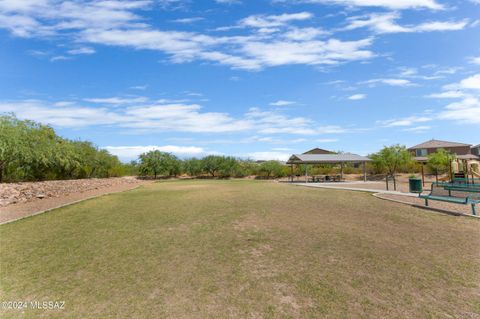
467 107
388 4
386 23
388 81
475 60
117 100
188 20
154 116
83 50
407 121
268 41
282 103
357 97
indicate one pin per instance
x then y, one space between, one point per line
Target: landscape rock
12 193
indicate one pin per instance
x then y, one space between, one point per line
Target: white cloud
83 50
357 97
188 20
282 103
139 87
475 60
472 82
386 23
464 111
418 129
126 153
269 40
467 108
164 117
391 82
388 4
60 58
446 95
407 121
270 21
116 100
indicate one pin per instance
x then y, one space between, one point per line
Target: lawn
242 249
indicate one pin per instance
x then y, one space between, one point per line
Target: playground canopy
315 159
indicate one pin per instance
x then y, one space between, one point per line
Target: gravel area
455 208
22 199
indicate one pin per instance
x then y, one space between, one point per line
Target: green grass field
242 249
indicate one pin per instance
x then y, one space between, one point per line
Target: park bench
473 199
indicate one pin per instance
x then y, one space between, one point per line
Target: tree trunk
394 182
1 173
436 177
386 181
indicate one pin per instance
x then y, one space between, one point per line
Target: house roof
317 150
326 158
467 157
437 144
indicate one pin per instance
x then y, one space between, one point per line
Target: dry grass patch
242 249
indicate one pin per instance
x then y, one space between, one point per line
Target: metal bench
472 200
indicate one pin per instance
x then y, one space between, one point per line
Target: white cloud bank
386 23
267 41
154 116
467 107
389 4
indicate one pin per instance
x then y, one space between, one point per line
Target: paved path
411 199
348 186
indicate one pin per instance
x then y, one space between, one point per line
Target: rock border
67 204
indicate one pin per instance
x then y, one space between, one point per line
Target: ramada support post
364 171
306 173
423 175
341 171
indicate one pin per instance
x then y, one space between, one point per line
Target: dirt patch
22 201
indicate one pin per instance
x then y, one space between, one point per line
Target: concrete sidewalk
346 186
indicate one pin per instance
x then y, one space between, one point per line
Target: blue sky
257 79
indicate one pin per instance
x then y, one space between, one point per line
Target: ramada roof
326 158
476 146
437 144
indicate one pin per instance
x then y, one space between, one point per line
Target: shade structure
312 159
327 158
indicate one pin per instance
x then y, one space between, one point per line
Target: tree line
156 163
30 151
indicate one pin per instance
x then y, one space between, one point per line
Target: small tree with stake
439 162
390 159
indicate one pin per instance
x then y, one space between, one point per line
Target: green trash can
415 185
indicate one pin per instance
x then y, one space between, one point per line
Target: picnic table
325 178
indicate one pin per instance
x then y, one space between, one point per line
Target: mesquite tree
439 162
159 163
391 159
